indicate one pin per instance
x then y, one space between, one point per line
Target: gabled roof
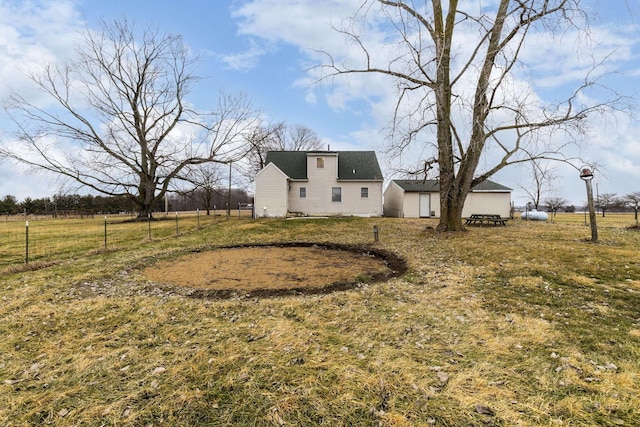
292 163
433 186
352 165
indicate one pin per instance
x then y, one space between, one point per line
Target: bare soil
275 270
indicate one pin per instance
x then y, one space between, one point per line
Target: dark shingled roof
352 165
490 186
418 185
358 166
433 185
292 163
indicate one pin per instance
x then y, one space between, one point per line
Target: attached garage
405 198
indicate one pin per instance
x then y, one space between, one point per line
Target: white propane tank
534 215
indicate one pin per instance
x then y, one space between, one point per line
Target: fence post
26 246
176 223
105 232
149 226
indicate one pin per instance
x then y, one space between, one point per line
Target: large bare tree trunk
493 121
449 218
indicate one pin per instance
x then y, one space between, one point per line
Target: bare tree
456 67
204 183
542 175
554 203
633 201
607 201
119 121
259 141
278 137
299 138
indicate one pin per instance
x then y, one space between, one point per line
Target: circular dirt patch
266 270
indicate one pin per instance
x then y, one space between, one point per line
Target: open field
45 240
611 219
529 324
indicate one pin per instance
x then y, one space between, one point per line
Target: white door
425 206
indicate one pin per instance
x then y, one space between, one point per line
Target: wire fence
610 219
43 239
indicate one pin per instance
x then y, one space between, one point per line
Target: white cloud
553 63
554 60
247 60
296 22
33 34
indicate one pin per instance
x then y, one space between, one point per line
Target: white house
319 183
407 198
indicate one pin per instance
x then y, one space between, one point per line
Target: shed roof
491 186
352 165
418 185
433 186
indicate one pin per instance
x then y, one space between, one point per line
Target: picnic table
481 219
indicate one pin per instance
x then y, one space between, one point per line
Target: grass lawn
525 325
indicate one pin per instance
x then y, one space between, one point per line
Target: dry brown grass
528 325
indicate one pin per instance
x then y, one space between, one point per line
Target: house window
320 162
303 192
364 192
336 194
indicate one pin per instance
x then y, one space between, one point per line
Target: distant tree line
208 199
606 202
65 205
88 205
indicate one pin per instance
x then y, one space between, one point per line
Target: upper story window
320 162
364 192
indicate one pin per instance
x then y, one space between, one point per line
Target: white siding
393 197
487 203
398 203
476 203
411 205
352 202
277 195
435 204
318 200
271 192
319 185
297 204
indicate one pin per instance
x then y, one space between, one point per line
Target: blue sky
264 48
